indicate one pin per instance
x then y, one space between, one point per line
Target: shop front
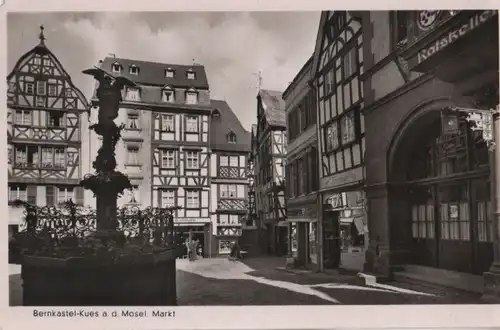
196 231
302 219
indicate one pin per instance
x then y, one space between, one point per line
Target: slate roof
153 73
223 125
274 107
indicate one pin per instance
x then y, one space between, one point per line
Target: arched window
231 138
216 114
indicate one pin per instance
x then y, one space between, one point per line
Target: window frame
195 94
194 197
165 119
194 119
168 155
193 156
165 195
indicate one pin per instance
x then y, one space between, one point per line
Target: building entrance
449 200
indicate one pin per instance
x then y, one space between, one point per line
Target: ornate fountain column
107 183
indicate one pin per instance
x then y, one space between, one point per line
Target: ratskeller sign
455 34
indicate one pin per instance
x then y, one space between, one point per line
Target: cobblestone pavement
257 281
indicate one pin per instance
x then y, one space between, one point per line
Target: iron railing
70 230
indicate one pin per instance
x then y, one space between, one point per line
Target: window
133 155
192 160
223 161
23 117
47 157
29 88
132 94
231 138
37 61
191 124
329 82
55 118
47 62
52 90
168 159
216 114
168 95
192 199
18 192
53 157
168 123
234 219
191 97
169 73
64 194
191 75
116 68
228 191
59 157
132 121
134 70
348 128
350 65
41 87
168 198
332 137
27 156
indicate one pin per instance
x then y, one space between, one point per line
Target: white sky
232 46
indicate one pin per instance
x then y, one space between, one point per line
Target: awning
299 219
346 220
360 226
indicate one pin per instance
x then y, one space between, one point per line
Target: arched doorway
445 179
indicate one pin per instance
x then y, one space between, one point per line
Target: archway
442 201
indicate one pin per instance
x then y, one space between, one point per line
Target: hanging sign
455 34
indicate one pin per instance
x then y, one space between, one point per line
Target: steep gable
225 126
274 107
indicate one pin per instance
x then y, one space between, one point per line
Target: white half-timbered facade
270 162
165 147
337 68
230 145
44 111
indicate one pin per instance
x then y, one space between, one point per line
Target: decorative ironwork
427 18
69 230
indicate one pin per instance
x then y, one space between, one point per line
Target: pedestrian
235 252
189 251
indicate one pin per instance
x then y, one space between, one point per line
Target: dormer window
191 75
132 94
191 97
134 69
116 67
216 114
168 95
231 138
169 73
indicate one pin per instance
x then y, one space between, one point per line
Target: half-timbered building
165 148
430 182
44 138
337 66
270 162
229 145
302 168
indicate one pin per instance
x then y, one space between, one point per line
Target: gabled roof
226 123
319 43
274 107
304 70
42 49
153 73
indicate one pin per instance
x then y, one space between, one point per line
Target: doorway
331 239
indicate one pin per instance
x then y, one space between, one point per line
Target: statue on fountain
107 183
